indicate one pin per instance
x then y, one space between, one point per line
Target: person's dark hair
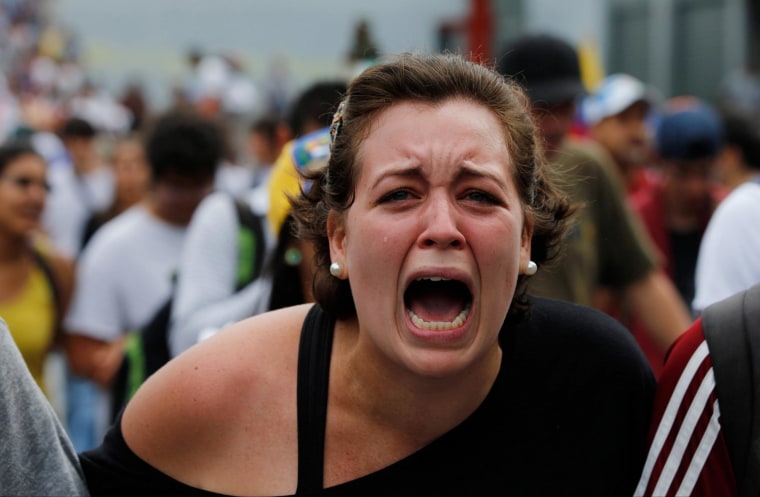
431 79
76 127
315 105
184 142
267 126
10 151
741 132
285 269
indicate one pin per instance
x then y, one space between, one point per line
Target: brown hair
430 79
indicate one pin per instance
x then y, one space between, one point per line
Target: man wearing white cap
616 114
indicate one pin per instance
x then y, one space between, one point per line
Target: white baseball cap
614 94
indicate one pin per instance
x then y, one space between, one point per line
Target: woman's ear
336 235
525 241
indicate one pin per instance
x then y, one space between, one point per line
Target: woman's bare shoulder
199 403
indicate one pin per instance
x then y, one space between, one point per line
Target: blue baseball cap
689 131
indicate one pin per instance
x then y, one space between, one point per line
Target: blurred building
679 46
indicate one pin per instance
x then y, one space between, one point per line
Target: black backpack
147 349
732 331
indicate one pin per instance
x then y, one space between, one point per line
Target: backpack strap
252 245
732 331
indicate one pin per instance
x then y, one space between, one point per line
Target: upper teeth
433 278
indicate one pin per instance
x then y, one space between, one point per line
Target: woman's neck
380 412
12 248
421 406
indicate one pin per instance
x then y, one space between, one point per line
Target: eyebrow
466 171
408 172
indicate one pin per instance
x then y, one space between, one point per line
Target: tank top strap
314 353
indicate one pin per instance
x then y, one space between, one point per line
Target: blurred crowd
109 208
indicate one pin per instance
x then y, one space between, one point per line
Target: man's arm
93 335
94 359
654 298
628 261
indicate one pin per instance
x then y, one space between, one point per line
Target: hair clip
337 120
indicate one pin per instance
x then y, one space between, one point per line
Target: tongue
436 306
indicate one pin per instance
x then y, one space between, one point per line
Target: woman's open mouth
437 304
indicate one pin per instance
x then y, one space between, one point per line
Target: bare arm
94 359
656 301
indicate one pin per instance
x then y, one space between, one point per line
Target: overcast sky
146 38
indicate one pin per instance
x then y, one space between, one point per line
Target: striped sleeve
687 452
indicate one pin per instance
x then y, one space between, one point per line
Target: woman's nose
441 228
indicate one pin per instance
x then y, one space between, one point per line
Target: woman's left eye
480 197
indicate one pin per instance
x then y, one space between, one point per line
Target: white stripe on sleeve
685 433
669 415
702 453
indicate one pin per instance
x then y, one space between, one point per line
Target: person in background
266 138
126 271
678 200
78 190
310 147
606 248
134 98
618 116
80 186
676 208
250 167
424 368
739 161
293 258
35 281
38 458
727 261
206 296
292 269
131 182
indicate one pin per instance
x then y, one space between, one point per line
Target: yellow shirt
31 319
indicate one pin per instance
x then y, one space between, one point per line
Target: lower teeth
439 325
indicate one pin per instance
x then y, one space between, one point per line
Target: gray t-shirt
36 456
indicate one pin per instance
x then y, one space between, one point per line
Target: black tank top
567 415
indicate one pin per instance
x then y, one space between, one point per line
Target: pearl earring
336 269
531 268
